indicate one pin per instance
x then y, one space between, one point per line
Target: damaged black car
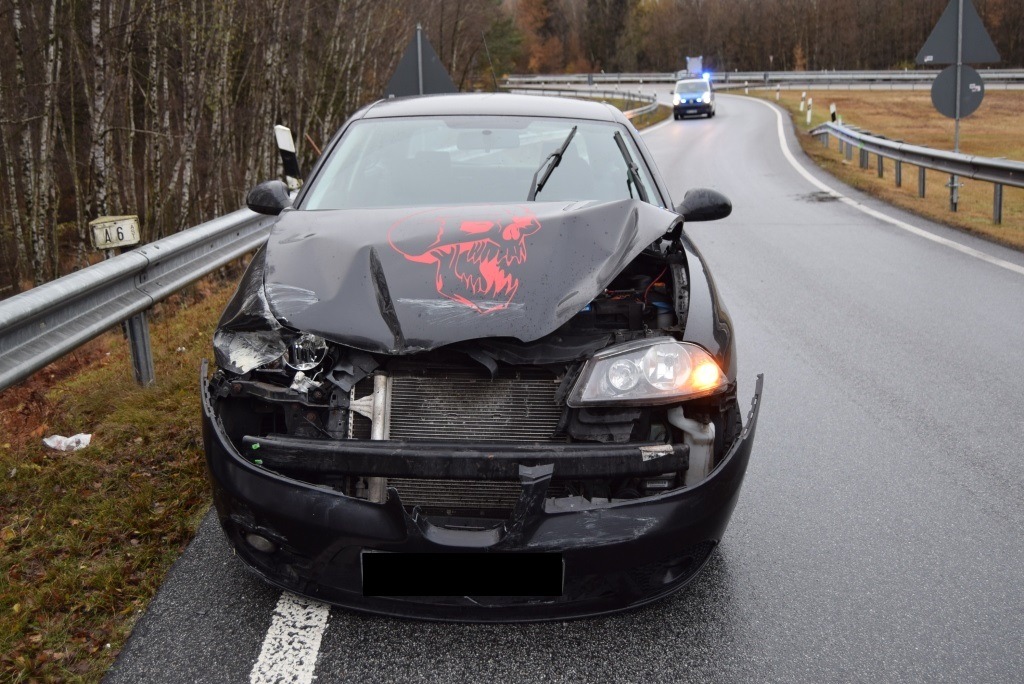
478 371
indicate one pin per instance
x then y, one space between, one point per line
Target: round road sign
972 90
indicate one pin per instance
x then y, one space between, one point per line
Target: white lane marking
969 251
292 643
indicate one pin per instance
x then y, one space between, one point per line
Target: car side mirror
269 197
704 204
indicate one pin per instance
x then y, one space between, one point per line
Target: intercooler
456 406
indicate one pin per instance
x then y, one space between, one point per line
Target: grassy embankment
87 537
993 131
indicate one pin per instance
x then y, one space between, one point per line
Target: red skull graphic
476 258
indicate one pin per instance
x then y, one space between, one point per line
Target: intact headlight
646 372
675 98
706 98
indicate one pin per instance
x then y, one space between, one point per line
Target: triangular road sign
406 79
940 48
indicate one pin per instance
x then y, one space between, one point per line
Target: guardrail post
881 166
997 203
899 173
863 159
849 152
920 181
142 354
841 146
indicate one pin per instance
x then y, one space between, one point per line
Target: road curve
879 533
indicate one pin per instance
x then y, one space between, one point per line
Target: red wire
648 290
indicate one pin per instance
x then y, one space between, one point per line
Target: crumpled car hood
405 280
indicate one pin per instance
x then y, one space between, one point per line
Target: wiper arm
535 186
633 172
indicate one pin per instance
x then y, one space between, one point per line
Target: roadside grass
657 116
88 536
993 131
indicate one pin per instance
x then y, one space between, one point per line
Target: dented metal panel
407 280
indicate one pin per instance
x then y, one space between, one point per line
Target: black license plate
462 574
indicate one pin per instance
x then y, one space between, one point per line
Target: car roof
493 104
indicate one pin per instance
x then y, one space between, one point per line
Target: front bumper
615 556
692 108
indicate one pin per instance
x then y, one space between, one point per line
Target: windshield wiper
535 186
632 171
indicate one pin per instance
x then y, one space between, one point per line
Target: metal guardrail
999 172
49 321
651 100
756 78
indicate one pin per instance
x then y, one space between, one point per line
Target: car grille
470 498
458 406
455 496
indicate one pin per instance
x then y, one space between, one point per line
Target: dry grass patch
993 131
88 536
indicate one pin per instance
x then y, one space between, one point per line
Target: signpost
117 232
290 161
958 38
111 232
420 71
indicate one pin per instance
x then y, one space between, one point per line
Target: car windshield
470 160
692 87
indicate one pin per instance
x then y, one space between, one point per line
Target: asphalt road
879 533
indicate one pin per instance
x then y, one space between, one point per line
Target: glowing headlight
675 98
706 98
646 372
307 352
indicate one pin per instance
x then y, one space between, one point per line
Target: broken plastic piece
248 335
73 443
242 352
301 383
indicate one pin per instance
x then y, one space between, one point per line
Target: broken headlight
307 352
241 351
645 372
